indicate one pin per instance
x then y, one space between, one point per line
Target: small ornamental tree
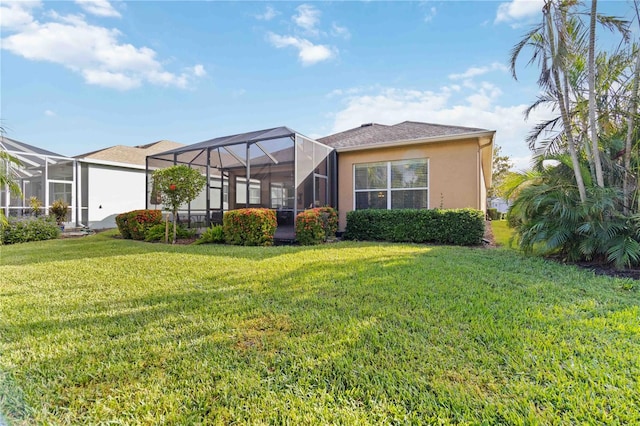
177 185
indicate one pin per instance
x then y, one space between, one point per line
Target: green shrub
493 214
121 223
30 229
314 226
157 232
59 210
249 227
134 224
212 235
457 227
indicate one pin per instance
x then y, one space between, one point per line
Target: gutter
111 163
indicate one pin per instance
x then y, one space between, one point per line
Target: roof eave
111 163
435 139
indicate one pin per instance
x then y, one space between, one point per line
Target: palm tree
631 113
595 150
552 48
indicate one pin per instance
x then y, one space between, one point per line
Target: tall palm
550 41
631 113
595 150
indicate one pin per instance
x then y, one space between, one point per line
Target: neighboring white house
112 181
499 204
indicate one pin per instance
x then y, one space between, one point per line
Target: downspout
75 187
481 175
333 175
46 184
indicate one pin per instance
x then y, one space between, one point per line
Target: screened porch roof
242 138
32 159
232 151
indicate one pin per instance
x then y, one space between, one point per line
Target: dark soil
608 270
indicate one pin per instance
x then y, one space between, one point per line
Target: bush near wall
249 227
494 214
134 224
458 227
29 229
314 226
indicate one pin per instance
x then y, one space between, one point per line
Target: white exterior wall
113 190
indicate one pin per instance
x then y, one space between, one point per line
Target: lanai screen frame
313 164
37 166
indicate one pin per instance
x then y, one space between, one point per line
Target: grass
501 232
99 330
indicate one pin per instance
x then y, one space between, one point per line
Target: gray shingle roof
130 154
369 135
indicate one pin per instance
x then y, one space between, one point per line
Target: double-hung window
401 184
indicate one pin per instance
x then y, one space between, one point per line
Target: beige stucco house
411 165
406 165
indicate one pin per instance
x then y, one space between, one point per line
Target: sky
78 76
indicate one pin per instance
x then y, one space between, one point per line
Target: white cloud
92 51
99 8
50 113
339 31
268 14
307 18
17 14
113 80
430 15
308 52
517 10
478 107
199 70
476 71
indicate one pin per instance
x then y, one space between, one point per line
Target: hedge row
134 224
249 227
29 229
459 227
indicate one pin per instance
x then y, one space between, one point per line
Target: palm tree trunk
563 98
633 110
595 150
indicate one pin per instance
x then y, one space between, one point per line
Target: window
402 184
60 191
241 191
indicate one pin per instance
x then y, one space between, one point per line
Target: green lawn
100 330
501 232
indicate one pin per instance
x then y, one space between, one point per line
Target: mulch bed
608 270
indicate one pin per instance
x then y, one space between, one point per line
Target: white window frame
389 189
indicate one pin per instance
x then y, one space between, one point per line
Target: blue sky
81 75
